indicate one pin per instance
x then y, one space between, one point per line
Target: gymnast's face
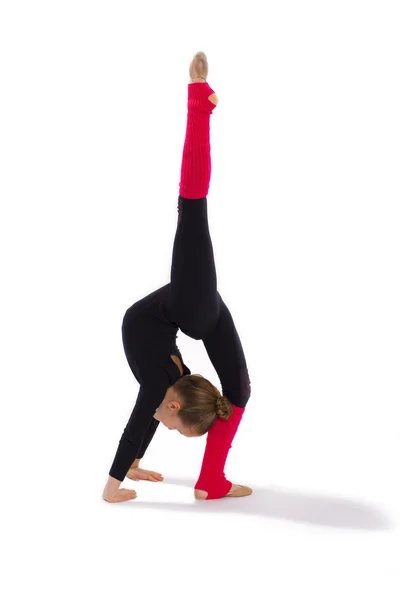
168 414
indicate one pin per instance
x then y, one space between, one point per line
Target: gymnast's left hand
137 474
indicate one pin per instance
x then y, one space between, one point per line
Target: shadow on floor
272 503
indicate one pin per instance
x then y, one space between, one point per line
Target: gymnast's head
192 405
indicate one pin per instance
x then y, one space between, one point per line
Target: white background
303 210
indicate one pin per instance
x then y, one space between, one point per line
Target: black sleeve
148 437
134 437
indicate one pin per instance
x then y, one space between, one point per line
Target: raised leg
196 159
193 303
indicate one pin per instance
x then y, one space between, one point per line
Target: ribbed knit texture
196 158
219 441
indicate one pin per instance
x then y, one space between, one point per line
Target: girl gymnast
168 392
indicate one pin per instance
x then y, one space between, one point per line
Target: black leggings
196 307
194 304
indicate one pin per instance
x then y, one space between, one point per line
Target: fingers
126 494
153 473
137 474
157 476
151 477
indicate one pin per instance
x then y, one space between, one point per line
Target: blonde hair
202 402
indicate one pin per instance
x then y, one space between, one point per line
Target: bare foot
213 98
198 72
137 474
122 495
200 494
236 491
198 69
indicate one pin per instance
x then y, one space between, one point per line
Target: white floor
303 210
283 541
323 520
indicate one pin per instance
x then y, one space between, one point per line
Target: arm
135 431
139 429
113 484
147 439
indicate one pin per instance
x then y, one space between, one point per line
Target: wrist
136 463
112 487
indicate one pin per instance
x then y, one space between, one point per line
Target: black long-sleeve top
149 339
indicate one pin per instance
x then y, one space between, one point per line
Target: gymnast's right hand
113 493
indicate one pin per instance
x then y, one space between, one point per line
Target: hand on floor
122 495
137 474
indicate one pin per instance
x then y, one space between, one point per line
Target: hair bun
223 408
